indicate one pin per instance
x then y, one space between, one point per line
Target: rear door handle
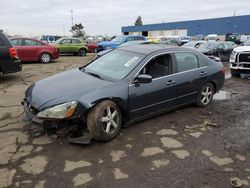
203 73
170 82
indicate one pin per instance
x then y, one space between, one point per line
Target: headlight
233 56
60 111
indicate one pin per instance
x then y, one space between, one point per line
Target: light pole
72 18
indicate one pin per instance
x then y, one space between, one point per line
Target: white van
212 38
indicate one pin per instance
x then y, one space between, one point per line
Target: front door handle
170 82
203 73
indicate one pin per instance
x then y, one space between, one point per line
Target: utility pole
234 12
72 18
63 30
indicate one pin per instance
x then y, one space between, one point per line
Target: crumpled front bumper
31 113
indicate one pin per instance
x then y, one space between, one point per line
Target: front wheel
205 95
104 121
82 52
45 58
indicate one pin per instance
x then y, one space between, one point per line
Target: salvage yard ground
189 147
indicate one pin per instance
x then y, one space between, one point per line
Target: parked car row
35 50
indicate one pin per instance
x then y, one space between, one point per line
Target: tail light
13 53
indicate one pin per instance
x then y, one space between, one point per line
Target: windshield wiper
95 75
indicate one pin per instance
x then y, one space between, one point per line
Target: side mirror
143 78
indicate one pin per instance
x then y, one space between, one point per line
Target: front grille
244 57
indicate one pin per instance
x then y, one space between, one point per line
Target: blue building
219 26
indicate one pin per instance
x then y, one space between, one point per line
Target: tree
77 30
138 21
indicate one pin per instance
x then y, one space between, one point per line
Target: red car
92 46
34 50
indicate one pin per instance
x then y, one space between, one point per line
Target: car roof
150 48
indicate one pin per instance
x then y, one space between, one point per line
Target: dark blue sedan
126 85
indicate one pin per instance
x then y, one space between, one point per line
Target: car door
191 76
76 44
148 98
29 50
18 43
65 46
221 51
228 50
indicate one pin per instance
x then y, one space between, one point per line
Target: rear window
186 61
30 43
16 42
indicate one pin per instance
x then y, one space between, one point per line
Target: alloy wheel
110 120
45 58
206 95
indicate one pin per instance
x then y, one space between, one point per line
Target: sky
106 17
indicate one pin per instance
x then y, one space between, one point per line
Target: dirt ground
189 147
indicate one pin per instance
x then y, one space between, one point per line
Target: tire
82 52
45 58
104 121
234 73
205 95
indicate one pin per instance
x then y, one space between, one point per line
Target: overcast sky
37 17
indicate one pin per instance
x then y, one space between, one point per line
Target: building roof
220 26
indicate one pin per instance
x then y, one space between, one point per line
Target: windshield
114 65
118 39
208 45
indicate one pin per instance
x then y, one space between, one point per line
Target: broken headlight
60 111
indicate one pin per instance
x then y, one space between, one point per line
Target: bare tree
138 21
77 30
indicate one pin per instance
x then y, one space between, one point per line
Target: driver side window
158 66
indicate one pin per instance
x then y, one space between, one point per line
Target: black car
9 62
126 85
222 50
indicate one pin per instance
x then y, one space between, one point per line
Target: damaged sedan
128 84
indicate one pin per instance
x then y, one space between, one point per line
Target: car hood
108 43
242 49
63 87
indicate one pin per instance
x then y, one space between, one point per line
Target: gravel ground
189 147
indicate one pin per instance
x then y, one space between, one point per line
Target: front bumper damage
241 62
73 128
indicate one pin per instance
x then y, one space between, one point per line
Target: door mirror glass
143 78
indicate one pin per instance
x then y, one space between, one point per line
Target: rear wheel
45 58
82 52
104 121
205 95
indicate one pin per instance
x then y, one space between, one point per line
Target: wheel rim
45 58
110 120
206 95
81 52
